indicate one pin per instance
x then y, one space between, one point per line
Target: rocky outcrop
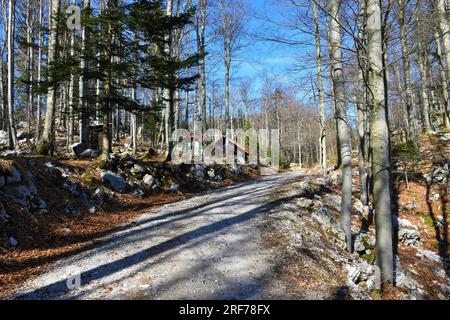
113 181
408 233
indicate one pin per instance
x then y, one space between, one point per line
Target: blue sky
288 65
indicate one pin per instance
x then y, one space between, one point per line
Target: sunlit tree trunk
107 112
361 110
203 7
30 67
71 101
380 144
361 105
3 73
444 81
410 109
322 119
11 74
424 91
336 120
341 115
169 94
133 115
39 69
83 85
445 32
46 145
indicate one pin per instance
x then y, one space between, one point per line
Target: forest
337 110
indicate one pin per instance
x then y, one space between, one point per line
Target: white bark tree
83 85
13 142
445 33
443 80
39 69
46 144
322 119
380 144
341 115
231 18
410 108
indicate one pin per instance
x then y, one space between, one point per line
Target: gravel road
207 247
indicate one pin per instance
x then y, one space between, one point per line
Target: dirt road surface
207 247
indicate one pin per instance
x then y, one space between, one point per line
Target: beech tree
11 74
46 144
341 116
380 143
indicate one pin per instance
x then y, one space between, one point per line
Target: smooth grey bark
39 70
299 143
30 67
71 100
178 41
47 141
13 142
410 109
169 94
203 5
187 93
3 101
336 120
83 85
402 98
424 91
322 119
380 144
445 32
231 27
341 115
107 114
133 115
3 112
444 81
361 119
361 105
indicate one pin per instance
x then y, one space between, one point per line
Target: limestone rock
113 181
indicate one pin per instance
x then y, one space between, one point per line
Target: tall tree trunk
134 129
444 82
169 93
424 90
71 101
227 33
338 147
204 4
410 109
361 105
380 144
83 85
46 146
3 73
227 97
108 111
445 31
30 67
13 142
322 119
106 137
3 111
39 70
361 111
341 114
